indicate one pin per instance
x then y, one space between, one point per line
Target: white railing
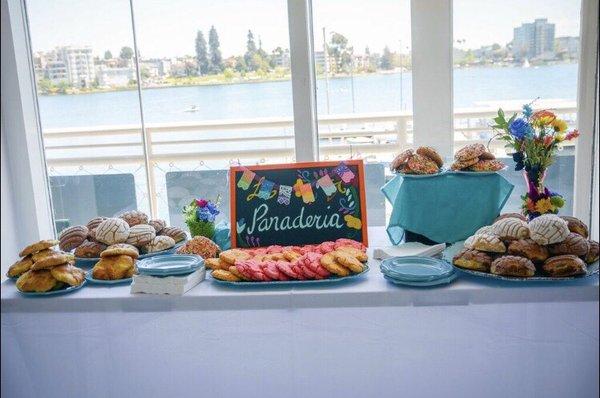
373 136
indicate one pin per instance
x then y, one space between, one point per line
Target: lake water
372 93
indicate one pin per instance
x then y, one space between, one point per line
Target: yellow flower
559 137
352 222
559 125
544 206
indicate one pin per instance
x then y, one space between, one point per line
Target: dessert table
361 338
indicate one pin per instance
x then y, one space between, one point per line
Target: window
159 98
364 86
530 53
91 130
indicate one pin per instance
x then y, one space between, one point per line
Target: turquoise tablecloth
446 208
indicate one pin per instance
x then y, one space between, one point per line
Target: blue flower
519 128
212 208
204 214
527 111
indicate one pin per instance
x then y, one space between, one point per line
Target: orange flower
543 118
530 205
544 206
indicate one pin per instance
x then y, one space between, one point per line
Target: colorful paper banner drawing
307 193
344 172
266 188
246 179
285 192
326 184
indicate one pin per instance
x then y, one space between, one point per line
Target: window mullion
303 80
431 27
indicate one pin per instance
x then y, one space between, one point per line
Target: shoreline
287 77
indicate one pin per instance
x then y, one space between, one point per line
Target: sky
167 28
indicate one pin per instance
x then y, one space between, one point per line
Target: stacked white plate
417 271
170 274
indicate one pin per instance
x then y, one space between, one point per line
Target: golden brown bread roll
68 274
565 265
529 249
37 281
20 267
113 267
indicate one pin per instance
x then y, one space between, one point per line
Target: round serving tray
439 173
107 282
537 277
69 289
293 283
90 262
478 173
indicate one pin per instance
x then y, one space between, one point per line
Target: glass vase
539 199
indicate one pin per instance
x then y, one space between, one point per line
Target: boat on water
192 108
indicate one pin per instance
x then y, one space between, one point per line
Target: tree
240 65
250 52
386 61
107 54
126 53
216 60
201 54
339 50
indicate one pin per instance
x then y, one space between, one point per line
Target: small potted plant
200 217
534 138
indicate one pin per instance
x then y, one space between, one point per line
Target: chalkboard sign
297 204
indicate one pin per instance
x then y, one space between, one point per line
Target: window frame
432 49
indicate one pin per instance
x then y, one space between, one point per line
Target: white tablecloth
474 338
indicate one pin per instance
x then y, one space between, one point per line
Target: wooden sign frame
293 166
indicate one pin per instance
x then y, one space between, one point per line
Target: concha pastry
592 254
473 259
512 266
548 229
157 224
134 217
94 222
72 237
511 228
141 234
121 249
511 215
177 234
565 265
576 225
529 249
89 249
573 244
488 243
112 230
160 243
487 229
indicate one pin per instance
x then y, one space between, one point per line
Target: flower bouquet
200 217
535 138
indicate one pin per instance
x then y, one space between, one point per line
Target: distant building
534 40
156 67
281 59
114 77
320 62
72 65
567 46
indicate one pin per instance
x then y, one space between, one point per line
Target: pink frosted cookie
308 272
274 249
349 242
326 247
244 269
297 268
271 270
257 272
286 268
312 261
296 249
308 249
